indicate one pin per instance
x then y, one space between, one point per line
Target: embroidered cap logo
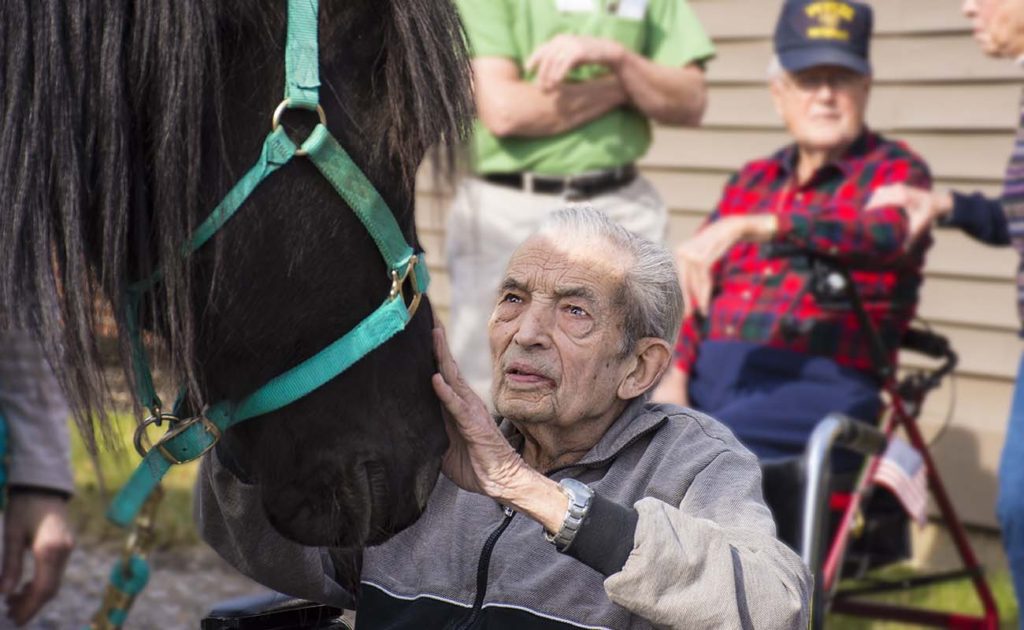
827 20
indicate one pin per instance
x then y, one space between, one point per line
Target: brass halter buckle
177 427
397 282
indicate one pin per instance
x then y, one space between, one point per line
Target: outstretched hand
479 458
923 207
36 524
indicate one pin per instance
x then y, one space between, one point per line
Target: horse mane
109 106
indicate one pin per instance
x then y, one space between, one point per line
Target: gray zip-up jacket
700 544
37 416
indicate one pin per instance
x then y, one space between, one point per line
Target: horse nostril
377 491
424 483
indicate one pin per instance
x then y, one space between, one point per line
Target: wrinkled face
555 333
998 26
823 107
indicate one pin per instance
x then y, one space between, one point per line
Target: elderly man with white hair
589 507
762 349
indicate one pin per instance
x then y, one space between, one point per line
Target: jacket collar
639 418
845 164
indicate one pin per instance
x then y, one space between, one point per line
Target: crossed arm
509 105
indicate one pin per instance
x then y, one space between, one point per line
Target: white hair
650 298
775 71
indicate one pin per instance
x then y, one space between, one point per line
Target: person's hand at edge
34 523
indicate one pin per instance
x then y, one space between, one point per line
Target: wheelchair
844 525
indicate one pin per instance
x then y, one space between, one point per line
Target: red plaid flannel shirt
767 300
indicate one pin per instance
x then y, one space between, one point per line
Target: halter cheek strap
190 438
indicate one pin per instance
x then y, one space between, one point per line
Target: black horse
124 122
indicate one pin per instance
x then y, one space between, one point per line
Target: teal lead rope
189 438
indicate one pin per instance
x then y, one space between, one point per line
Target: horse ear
650 358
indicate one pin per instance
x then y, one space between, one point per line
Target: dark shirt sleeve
39 490
605 539
980 217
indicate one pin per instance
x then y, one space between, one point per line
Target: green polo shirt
665 31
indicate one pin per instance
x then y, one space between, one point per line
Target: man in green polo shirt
565 92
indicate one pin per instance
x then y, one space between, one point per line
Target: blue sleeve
980 217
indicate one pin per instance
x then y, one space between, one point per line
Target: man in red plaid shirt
764 347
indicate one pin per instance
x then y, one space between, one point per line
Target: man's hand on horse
556 58
479 458
696 257
34 523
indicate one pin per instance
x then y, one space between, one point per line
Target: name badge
632 9
575 6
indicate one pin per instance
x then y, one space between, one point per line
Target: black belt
573 186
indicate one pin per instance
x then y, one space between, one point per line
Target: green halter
190 438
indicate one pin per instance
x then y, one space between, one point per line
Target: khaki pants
487 224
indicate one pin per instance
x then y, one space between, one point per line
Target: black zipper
482 568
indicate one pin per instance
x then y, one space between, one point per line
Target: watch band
580 498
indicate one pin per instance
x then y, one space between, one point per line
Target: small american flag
902 471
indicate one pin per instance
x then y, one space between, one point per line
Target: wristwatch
580 497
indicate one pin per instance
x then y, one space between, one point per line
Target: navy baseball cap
824 33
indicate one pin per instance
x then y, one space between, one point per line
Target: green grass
174 518
956 596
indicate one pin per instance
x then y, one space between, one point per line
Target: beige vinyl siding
935 91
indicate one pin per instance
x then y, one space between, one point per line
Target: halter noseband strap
190 438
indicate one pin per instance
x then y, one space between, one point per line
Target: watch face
580 496
579 492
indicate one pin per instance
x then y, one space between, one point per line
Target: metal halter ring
275 121
397 282
141 438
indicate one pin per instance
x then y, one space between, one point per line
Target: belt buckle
571 193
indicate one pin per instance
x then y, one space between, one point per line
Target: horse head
165 105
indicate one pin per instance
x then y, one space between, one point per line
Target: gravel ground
184 585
